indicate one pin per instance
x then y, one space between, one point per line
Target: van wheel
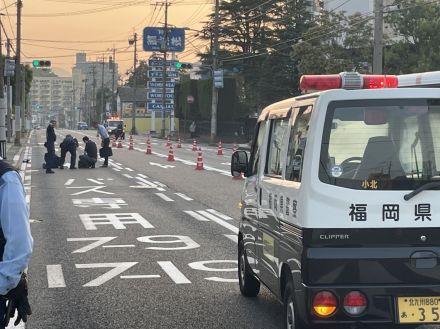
291 321
249 284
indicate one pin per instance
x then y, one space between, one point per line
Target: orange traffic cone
113 141
234 148
148 150
220 150
194 148
130 143
119 144
170 154
179 144
199 165
168 142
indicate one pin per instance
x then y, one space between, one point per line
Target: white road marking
129 169
146 182
95 181
196 216
118 163
142 175
161 189
232 237
219 214
184 197
174 273
55 276
160 165
218 221
139 276
120 246
118 220
98 241
115 169
117 268
16 157
127 175
164 197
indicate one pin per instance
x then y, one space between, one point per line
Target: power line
9 18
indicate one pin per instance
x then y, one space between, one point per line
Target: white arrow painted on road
160 165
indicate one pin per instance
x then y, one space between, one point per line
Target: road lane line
139 276
161 189
116 169
120 246
129 169
142 175
95 181
174 273
184 197
69 182
127 175
219 221
232 237
146 182
164 197
196 216
218 214
55 277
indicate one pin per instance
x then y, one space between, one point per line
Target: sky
57 29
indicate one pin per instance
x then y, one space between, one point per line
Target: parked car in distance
82 126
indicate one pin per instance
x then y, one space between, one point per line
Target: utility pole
23 100
214 68
93 95
378 37
102 88
18 76
8 93
164 69
133 110
113 79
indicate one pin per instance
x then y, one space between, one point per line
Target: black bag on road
105 152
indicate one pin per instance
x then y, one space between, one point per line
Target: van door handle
424 259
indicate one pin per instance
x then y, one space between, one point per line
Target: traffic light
218 78
40 63
183 65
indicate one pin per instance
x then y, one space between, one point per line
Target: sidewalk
14 152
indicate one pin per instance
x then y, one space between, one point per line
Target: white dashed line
164 197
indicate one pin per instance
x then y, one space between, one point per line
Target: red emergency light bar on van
346 80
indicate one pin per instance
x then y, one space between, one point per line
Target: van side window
297 144
279 128
255 153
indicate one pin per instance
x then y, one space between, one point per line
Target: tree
141 75
415 45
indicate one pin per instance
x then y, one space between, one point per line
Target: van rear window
381 144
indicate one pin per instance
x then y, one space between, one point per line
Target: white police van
340 213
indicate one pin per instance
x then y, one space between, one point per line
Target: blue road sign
151 84
159 96
156 106
153 39
159 74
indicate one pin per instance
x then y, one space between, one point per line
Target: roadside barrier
199 165
148 150
220 149
130 143
170 154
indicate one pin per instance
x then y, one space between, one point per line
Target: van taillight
324 303
355 303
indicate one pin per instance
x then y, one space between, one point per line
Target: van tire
291 320
249 284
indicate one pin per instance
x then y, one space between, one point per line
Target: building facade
51 97
89 78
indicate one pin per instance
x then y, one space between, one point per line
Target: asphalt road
145 243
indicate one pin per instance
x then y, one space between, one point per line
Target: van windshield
381 144
114 123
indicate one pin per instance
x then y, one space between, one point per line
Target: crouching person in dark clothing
90 156
69 144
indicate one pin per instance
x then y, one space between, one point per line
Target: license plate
418 309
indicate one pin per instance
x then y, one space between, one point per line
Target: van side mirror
239 163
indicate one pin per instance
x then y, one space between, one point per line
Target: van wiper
426 186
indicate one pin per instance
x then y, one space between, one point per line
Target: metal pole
113 80
18 76
3 104
8 94
93 100
164 69
133 111
378 37
102 89
214 67
23 100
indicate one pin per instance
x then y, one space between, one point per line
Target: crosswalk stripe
196 216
